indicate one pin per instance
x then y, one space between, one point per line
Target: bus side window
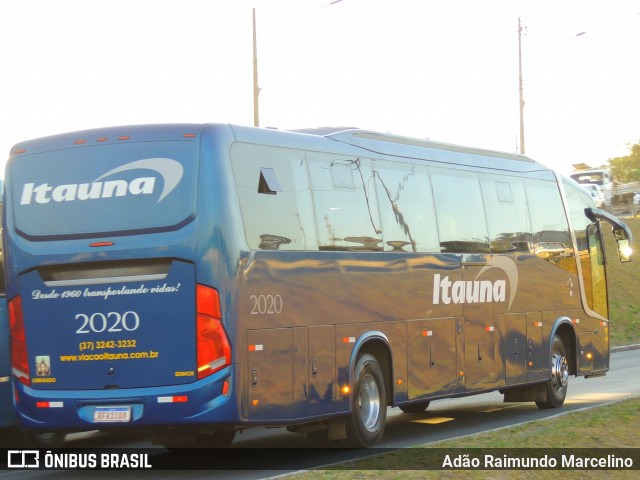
551 238
275 200
507 214
344 198
460 211
578 200
406 207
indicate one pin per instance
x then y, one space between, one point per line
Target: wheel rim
559 371
369 402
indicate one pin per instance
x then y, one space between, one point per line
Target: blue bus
196 280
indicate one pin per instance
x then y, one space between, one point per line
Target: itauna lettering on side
469 291
476 290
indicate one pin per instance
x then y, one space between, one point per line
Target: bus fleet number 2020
108 322
266 304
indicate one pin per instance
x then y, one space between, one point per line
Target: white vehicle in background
600 177
596 193
636 198
615 193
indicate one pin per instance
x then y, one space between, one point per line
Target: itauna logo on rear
478 290
105 186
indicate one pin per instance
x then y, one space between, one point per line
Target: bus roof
108 135
356 141
349 141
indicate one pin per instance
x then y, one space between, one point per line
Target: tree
627 169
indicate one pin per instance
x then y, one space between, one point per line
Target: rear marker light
102 139
17 152
174 399
189 135
102 244
80 142
49 404
124 137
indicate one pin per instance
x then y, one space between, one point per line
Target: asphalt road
445 419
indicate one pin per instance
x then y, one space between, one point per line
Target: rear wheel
559 380
365 425
418 407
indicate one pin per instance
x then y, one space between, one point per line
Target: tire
558 382
418 407
365 425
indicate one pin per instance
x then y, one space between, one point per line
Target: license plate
112 414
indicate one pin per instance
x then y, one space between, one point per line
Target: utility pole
256 89
520 88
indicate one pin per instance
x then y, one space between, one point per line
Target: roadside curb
625 348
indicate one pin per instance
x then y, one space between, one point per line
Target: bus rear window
104 190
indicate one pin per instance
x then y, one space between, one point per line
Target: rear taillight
19 358
213 348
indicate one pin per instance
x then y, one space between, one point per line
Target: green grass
611 426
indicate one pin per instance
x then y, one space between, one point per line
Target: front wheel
365 425
559 380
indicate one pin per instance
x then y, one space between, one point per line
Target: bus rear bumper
204 401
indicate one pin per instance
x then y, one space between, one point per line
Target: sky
446 70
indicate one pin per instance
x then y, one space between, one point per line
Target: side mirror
621 231
624 245
624 250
